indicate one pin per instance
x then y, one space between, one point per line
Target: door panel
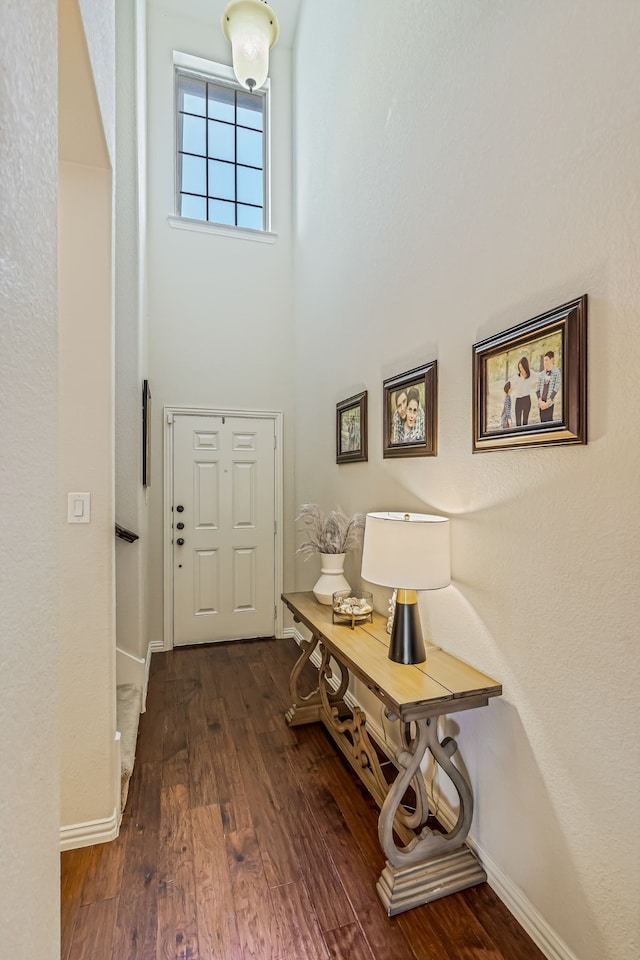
224 572
207 496
205 582
244 579
244 495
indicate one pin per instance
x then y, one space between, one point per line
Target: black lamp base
407 645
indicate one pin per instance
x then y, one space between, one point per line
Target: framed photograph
351 429
411 413
146 434
530 382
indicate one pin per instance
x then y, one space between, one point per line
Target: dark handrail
125 534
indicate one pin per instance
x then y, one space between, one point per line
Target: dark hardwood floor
244 839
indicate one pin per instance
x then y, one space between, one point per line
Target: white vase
331 577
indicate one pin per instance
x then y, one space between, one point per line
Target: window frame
218 73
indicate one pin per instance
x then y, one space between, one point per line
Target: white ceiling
211 11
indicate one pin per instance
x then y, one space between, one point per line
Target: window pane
250 217
193 207
193 179
192 137
221 103
222 180
250 110
250 186
220 212
221 141
249 147
220 155
192 96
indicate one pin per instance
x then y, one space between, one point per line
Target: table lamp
409 552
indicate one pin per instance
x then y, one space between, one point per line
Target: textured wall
29 805
87 640
86 437
130 340
98 17
220 329
461 168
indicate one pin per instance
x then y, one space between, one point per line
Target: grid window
221 153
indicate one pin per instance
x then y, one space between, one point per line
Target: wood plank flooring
245 840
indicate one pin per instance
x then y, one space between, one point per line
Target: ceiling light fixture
251 27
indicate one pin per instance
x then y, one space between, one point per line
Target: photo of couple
407 420
524 385
411 412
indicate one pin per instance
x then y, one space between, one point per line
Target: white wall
220 332
89 779
461 168
99 22
130 340
29 804
87 649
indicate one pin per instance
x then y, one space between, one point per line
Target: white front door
223 528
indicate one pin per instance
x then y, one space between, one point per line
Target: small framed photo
411 413
351 429
530 382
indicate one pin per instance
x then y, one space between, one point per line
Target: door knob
180 541
180 508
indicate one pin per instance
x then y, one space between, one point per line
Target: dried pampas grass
333 532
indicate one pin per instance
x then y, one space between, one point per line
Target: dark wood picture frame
554 346
146 434
401 395
351 429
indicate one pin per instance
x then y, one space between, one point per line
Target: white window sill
220 230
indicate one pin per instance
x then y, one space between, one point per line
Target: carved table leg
432 864
308 709
350 733
303 709
332 700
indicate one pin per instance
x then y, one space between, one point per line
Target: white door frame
170 413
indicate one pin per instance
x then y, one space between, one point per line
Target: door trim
169 415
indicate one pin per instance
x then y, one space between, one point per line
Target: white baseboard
117 775
146 679
546 939
93 831
90 832
129 668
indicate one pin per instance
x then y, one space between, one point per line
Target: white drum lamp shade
407 551
251 27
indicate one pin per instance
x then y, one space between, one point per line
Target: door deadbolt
180 508
180 526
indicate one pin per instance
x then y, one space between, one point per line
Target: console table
422 864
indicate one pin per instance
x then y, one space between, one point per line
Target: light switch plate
78 508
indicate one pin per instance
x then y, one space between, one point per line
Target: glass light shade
407 550
251 27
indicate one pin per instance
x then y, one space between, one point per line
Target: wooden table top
442 684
